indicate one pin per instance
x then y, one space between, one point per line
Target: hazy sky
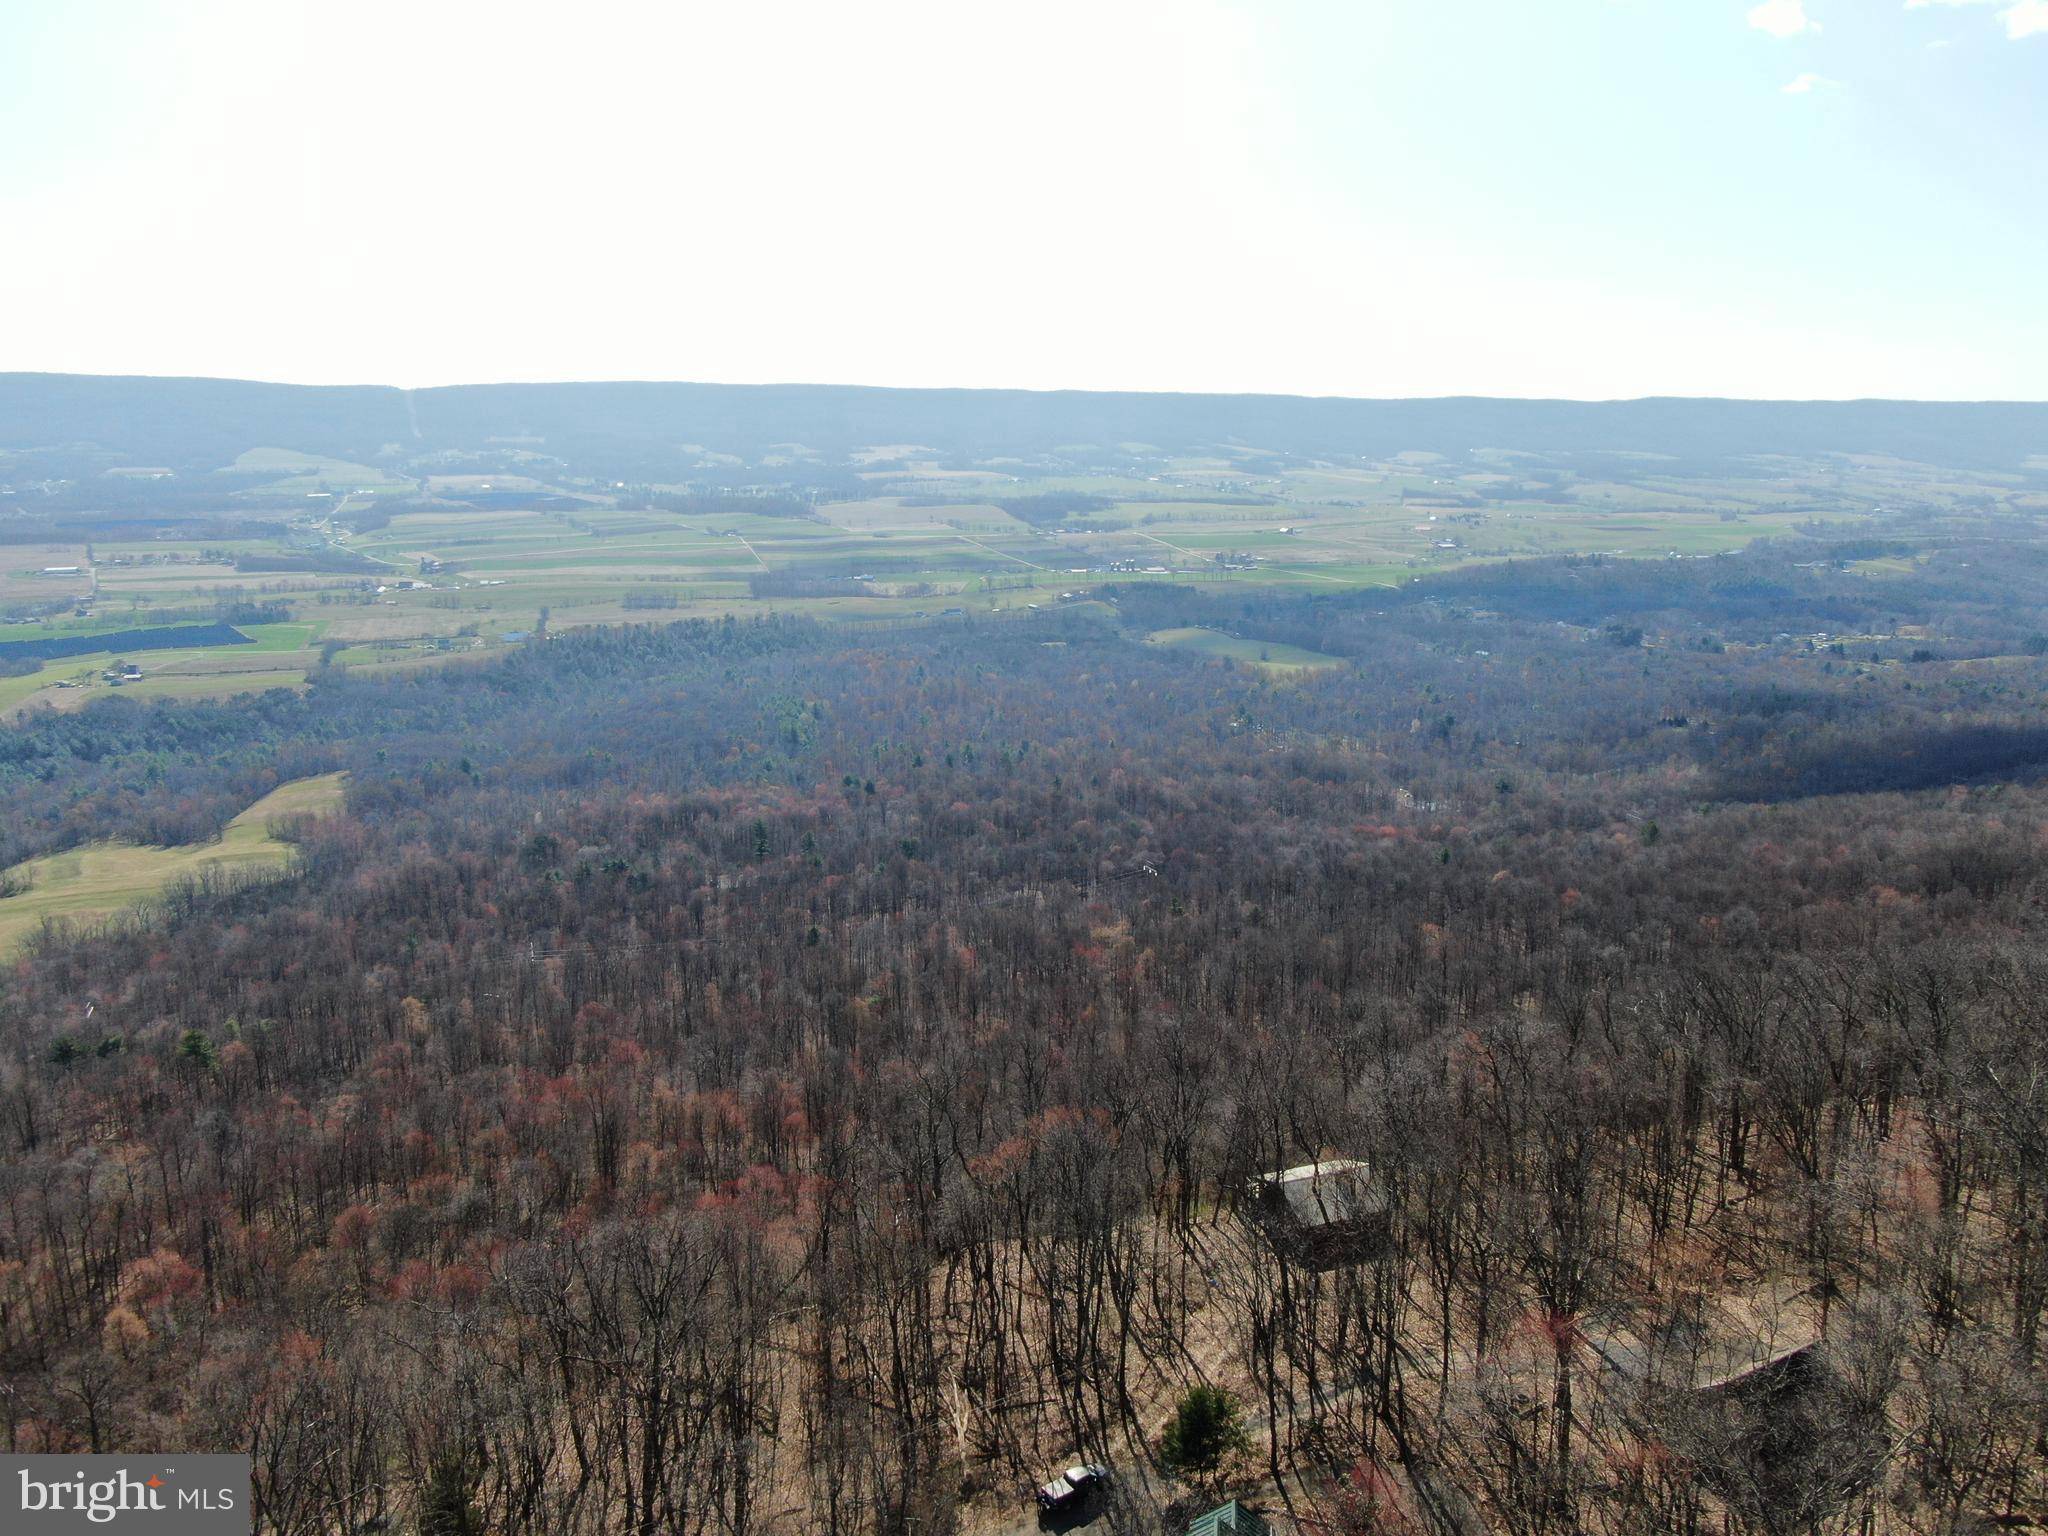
1376 197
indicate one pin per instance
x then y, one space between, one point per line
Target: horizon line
1008 389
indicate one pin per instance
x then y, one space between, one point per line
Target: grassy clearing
1267 655
207 685
86 885
293 469
283 637
1887 567
16 690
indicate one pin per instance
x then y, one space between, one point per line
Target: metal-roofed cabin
1744 1384
1323 1215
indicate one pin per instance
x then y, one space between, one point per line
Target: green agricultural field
283 637
1268 655
210 683
86 885
106 620
893 512
15 691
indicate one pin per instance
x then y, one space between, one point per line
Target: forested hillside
1419 910
642 428
758 1077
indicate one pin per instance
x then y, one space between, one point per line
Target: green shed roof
1232 1519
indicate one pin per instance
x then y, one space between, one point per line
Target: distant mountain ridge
204 423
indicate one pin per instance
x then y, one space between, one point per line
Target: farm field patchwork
913 540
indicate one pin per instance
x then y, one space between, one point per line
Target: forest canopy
763 1076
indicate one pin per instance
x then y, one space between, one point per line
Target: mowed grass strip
84 885
1269 655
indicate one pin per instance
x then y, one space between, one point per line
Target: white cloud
1806 84
2023 18
2027 19
1788 18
